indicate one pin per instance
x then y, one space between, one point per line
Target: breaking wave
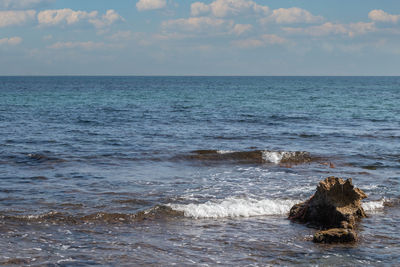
286 156
235 207
255 156
216 209
239 207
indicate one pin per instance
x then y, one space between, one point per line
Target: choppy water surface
192 170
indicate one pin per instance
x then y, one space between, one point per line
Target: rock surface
335 235
335 204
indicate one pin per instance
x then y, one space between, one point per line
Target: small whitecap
272 156
225 151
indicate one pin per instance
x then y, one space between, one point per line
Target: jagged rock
336 204
335 235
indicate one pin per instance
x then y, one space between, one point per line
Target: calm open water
122 171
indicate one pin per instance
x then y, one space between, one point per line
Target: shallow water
192 170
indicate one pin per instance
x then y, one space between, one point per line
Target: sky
201 37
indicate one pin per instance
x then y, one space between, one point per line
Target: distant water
126 171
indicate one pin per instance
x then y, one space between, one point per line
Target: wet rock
335 235
346 225
336 204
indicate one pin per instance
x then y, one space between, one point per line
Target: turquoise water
107 170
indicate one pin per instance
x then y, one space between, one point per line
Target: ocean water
193 171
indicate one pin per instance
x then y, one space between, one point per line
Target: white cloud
190 28
11 41
354 47
21 4
330 28
291 15
361 28
170 36
382 16
193 26
10 18
263 40
58 17
198 24
327 28
107 19
69 17
121 35
61 16
199 8
142 5
83 45
239 29
223 8
248 43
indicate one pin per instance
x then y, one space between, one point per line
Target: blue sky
204 37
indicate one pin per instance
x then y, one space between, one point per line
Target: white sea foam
373 205
369 187
302 189
277 156
225 151
273 156
239 207
236 207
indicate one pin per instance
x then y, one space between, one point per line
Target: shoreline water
192 170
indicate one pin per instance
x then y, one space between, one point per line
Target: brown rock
346 225
335 235
335 201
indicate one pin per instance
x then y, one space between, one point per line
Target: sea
193 171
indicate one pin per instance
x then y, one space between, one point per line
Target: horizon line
195 75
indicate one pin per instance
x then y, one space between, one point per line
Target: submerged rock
335 235
336 203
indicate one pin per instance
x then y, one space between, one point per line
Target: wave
235 207
286 156
155 213
255 156
131 201
40 158
216 209
238 207
30 159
